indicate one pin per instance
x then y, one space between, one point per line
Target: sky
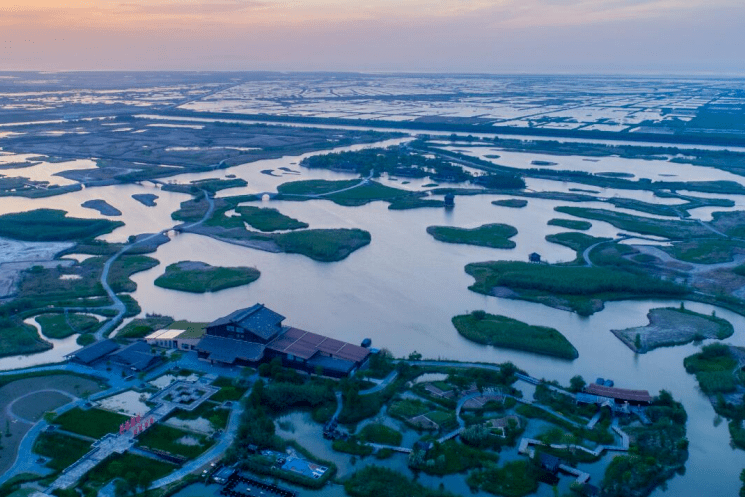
479 36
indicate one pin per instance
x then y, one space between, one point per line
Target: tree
577 383
638 342
145 480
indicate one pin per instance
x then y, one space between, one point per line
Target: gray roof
331 363
258 319
227 350
94 351
137 356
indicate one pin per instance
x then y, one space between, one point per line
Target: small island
501 331
266 219
101 206
515 203
146 199
49 225
199 277
489 235
671 326
572 224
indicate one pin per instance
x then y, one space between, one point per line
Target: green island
65 324
198 277
48 225
210 185
708 251
666 228
578 242
717 371
377 481
579 289
20 339
515 203
489 235
351 193
672 326
264 219
571 224
501 331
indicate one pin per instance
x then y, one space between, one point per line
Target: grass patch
166 438
581 289
217 416
49 225
62 450
514 479
413 202
325 245
94 423
666 228
120 465
64 325
501 331
21 339
706 251
380 434
515 203
450 457
228 390
575 241
488 235
408 408
571 224
352 446
198 277
359 195
268 219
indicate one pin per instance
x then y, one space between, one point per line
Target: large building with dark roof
93 352
136 357
254 335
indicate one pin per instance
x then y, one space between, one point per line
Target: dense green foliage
376 481
141 327
714 368
515 203
62 450
501 331
666 228
488 235
325 245
48 225
63 325
137 470
657 452
94 423
229 390
514 479
450 457
20 339
573 287
380 434
264 219
202 278
706 251
571 224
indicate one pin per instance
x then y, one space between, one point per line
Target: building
136 357
177 338
449 200
256 324
251 336
549 462
93 352
534 257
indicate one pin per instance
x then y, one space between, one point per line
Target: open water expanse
403 289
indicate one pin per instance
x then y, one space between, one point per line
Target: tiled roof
619 393
304 344
94 351
227 350
258 319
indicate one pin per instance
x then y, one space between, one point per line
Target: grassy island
571 224
20 339
515 203
579 289
672 326
49 225
266 220
327 245
488 235
501 331
64 325
198 277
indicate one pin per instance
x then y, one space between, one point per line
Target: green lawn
514 479
197 277
501 331
228 391
63 325
93 423
48 225
166 438
706 251
142 327
118 466
62 450
218 417
268 219
488 235
408 408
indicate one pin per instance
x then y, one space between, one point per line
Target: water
407 285
61 347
